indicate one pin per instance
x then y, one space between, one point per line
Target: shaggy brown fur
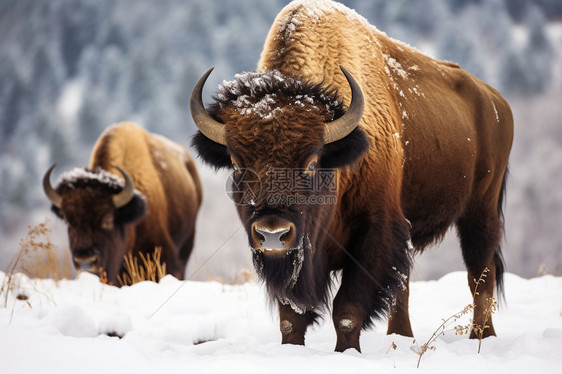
439 145
162 214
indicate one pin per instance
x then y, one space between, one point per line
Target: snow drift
186 326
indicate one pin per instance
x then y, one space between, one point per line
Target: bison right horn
52 195
344 125
211 128
122 198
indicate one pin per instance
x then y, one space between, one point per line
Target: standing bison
155 205
406 145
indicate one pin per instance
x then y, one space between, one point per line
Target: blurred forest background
70 68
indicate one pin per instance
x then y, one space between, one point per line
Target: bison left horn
211 128
52 195
122 198
343 126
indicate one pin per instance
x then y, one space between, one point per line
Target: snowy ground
59 328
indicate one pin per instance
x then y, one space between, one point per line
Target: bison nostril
259 235
285 236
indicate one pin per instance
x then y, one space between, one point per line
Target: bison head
98 209
293 136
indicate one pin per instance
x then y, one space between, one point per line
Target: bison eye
312 166
107 222
235 165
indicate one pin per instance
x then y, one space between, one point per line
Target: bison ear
346 151
212 153
57 212
133 211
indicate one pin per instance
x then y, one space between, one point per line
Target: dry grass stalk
491 308
392 346
441 330
37 258
243 276
150 268
461 329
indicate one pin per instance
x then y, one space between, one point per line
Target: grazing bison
359 171
155 206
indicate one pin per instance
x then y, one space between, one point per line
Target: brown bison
359 171
155 206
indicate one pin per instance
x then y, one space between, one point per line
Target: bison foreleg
348 320
293 325
374 280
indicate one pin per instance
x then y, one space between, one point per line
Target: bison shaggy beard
293 277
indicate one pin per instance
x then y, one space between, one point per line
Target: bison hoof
346 325
286 327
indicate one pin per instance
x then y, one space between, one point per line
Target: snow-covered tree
538 52
458 45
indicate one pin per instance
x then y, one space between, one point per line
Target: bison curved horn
122 198
52 195
211 128
344 125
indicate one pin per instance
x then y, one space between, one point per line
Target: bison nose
279 237
87 261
